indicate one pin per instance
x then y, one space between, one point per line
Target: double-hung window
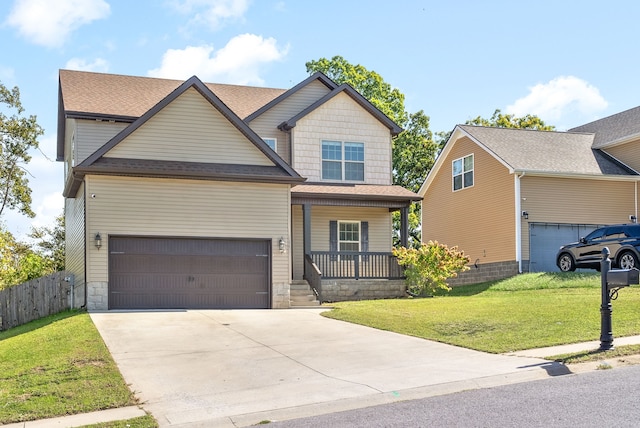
462 169
349 236
342 161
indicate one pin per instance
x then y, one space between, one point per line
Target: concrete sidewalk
237 368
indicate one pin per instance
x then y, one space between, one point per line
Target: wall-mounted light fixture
98 240
282 245
633 218
525 215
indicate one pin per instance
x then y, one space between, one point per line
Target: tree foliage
368 83
18 134
18 262
414 150
501 120
430 266
50 243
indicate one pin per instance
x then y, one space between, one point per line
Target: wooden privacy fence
34 299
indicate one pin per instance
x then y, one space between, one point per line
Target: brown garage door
177 273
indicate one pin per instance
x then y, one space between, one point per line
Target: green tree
18 135
368 83
429 266
50 242
18 262
501 120
414 150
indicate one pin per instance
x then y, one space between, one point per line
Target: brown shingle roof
614 128
356 191
546 151
131 96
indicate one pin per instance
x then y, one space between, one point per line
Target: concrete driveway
239 367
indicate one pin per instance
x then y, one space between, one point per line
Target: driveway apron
239 367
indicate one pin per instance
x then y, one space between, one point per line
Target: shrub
428 267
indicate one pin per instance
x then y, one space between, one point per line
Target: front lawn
527 311
57 366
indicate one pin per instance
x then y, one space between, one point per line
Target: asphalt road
594 399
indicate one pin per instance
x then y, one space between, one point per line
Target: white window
349 236
342 161
462 169
271 142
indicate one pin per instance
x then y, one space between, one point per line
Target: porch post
404 226
306 234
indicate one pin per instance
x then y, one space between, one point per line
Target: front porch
342 239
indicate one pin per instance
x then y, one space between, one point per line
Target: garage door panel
545 239
164 273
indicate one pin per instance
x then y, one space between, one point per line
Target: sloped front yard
527 311
57 366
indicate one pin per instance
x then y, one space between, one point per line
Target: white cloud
98 64
49 23
212 13
558 98
239 62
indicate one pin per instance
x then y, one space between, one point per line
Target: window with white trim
271 142
349 236
343 161
462 169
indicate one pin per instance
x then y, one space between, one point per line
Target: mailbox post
611 281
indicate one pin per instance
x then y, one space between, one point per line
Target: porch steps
301 295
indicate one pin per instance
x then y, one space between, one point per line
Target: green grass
141 422
57 366
596 355
527 311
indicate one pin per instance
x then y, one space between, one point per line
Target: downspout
635 194
518 221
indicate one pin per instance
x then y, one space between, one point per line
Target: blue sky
569 62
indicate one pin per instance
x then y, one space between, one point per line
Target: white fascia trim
556 174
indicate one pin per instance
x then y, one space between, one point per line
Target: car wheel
566 263
627 260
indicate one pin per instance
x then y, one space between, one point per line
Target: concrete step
313 303
300 285
302 297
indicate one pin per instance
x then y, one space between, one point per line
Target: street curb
110 415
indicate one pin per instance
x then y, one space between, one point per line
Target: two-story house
511 197
193 195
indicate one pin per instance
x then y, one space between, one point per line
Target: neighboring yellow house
509 198
193 195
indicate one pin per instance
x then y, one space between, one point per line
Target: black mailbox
622 277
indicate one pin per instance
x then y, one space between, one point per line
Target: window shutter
364 238
333 238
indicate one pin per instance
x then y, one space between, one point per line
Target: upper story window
271 142
462 169
342 161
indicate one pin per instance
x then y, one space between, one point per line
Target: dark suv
623 241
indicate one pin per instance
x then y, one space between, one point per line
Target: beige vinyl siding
190 129
342 119
93 134
628 153
480 220
574 201
266 125
69 143
185 208
380 227
75 236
